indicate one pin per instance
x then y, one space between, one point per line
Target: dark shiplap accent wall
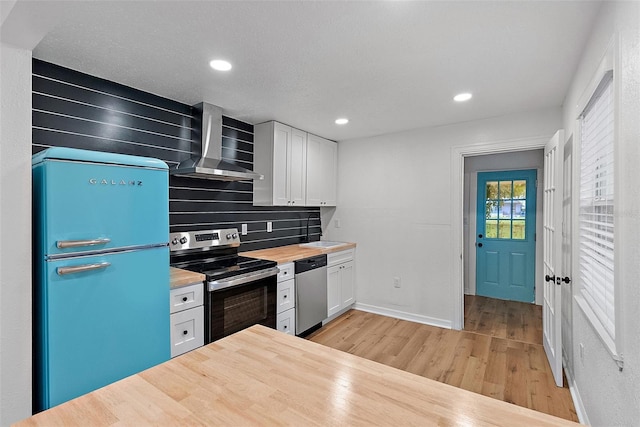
73 109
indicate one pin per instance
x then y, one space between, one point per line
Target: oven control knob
235 235
183 240
228 236
174 241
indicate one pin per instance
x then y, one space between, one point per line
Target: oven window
244 309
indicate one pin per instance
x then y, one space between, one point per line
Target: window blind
597 202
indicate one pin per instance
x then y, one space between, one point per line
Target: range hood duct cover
207 133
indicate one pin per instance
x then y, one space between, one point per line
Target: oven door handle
241 279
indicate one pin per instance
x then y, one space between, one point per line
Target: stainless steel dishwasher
311 292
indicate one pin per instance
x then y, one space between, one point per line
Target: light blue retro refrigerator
101 270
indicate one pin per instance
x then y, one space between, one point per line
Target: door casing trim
458 154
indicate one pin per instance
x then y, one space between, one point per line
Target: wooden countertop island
263 377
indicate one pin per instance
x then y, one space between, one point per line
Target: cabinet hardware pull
548 278
63 244
81 268
184 299
185 332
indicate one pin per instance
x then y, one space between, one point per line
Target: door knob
565 279
548 278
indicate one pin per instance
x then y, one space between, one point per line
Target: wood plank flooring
499 354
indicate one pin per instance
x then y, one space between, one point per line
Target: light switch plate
244 229
269 226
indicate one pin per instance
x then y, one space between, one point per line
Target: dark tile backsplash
73 109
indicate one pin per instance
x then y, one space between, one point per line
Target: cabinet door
297 167
333 290
321 171
286 295
187 330
329 182
314 170
347 285
186 297
281 162
286 322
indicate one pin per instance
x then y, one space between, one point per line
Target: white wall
15 232
611 397
532 159
394 199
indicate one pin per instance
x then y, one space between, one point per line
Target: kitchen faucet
306 238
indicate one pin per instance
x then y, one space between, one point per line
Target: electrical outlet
581 346
244 229
396 282
269 226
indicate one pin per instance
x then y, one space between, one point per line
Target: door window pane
519 209
520 189
518 229
505 209
504 229
491 209
491 229
505 189
492 190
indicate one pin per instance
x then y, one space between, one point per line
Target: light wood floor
499 354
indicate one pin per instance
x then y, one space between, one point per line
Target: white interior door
552 254
567 289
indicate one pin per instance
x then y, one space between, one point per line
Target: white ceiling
386 65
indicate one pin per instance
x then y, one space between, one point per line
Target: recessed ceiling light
461 97
220 65
342 121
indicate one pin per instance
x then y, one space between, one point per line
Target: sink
322 244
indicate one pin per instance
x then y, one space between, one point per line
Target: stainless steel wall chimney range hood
208 163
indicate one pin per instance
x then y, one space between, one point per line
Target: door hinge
535 237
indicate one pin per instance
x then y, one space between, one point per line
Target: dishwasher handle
311 263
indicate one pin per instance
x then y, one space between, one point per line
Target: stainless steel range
239 291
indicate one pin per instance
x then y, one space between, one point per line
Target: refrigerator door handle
80 268
62 244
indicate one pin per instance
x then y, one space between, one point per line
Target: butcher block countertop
260 377
285 254
179 277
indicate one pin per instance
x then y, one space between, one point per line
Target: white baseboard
577 400
418 318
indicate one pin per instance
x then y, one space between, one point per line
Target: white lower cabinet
286 321
286 300
340 281
187 318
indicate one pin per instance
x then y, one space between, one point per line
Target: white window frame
613 344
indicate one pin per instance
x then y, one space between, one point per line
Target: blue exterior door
505 235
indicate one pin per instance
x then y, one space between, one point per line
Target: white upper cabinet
280 154
322 159
299 169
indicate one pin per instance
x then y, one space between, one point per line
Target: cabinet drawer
287 272
339 257
286 295
286 322
187 330
187 297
